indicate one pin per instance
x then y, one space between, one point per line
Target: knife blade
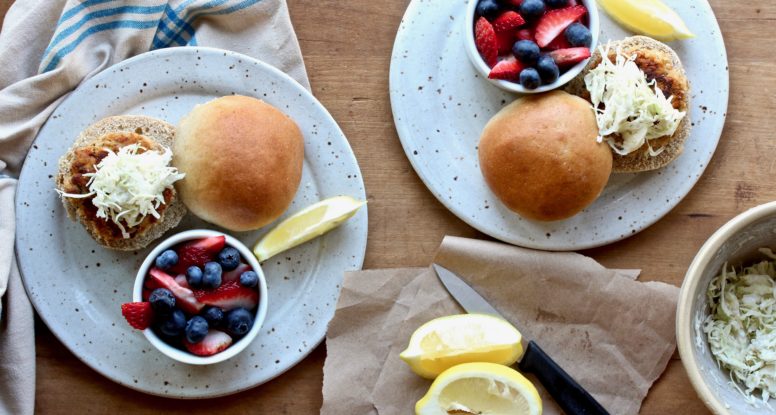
569 395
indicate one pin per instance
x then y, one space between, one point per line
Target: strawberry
554 22
228 296
184 297
485 39
138 315
560 42
234 275
182 281
146 294
198 253
525 34
507 21
505 41
508 69
570 56
215 341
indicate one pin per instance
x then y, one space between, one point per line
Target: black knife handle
572 398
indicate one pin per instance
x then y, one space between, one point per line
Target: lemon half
309 223
448 341
480 388
648 17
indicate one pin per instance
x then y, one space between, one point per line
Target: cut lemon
648 17
448 341
480 388
307 224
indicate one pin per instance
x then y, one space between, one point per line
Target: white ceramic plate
441 104
77 287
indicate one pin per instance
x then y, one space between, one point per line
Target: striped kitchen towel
47 48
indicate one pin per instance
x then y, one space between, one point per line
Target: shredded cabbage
628 105
741 328
129 185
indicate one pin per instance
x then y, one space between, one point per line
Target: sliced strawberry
234 275
215 341
182 281
505 42
507 21
151 284
508 69
525 34
570 56
138 315
146 294
515 3
228 296
560 42
198 253
485 39
184 297
554 22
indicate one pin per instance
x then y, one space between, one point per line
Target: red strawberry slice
229 295
509 20
198 253
215 341
505 41
184 297
570 56
485 39
146 294
508 69
554 22
138 315
182 281
560 42
525 34
234 275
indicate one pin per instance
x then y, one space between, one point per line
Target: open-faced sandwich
116 180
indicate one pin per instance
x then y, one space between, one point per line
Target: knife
569 395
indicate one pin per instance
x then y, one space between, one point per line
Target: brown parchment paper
613 334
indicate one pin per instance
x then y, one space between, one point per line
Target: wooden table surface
347 49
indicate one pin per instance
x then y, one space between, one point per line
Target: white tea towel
47 48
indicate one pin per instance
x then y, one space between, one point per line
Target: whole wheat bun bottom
540 156
243 162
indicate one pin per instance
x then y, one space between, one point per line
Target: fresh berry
162 301
229 296
526 51
532 9
507 70
184 297
524 34
174 324
138 315
530 78
578 35
571 56
485 39
515 3
196 329
234 275
166 260
249 279
194 276
554 22
214 342
548 69
239 321
229 258
198 252
213 315
182 281
508 21
487 8
559 42
211 278
146 294
505 41
557 4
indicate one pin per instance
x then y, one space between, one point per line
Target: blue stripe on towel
75 9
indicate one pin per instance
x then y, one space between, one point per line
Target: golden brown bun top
243 162
540 156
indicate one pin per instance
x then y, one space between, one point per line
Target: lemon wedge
310 222
648 17
448 341
480 388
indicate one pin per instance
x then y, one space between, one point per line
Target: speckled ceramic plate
77 286
440 106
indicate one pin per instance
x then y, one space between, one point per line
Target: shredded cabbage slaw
128 185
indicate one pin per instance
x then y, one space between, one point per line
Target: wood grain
347 49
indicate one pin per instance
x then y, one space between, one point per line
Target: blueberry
213 315
579 35
239 321
249 279
530 78
196 329
174 324
526 51
532 9
166 259
556 4
162 301
547 69
194 276
229 258
211 278
487 8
